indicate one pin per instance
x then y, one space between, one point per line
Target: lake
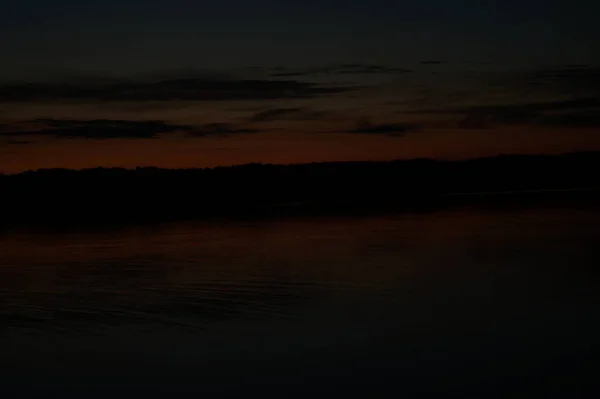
482 303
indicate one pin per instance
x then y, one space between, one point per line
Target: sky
203 83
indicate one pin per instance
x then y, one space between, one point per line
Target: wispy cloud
98 129
341 69
4 127
364 69
103 129
291 74
273 114
575 119
17 142
220 129
185 89
581 112
567 74
568 80
366 126
545 113
298 113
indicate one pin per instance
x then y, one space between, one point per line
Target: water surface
462 303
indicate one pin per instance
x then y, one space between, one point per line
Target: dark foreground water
464 303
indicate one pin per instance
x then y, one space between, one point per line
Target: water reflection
459 302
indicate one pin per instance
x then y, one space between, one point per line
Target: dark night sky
200 83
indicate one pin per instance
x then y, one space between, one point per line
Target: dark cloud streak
548 113
103 129
556 105
99 129
273 114
220 129
17 142
343 69
168 90
276 114
579 119
365 126
580 112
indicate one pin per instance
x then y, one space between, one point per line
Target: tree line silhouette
149 193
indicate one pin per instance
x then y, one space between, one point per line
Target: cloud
563 87
578 119
562 80
220 129
17 142
185 89
579 112
290 74
555 105
531 113
275 114
99 129
487 118
102 129
368 69
575 88
365 126
341 69
570 74
432 62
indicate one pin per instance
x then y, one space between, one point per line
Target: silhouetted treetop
150 192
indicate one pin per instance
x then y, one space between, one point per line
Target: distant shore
105 195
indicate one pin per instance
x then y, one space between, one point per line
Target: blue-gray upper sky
121 37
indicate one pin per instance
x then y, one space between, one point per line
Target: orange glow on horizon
278 147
